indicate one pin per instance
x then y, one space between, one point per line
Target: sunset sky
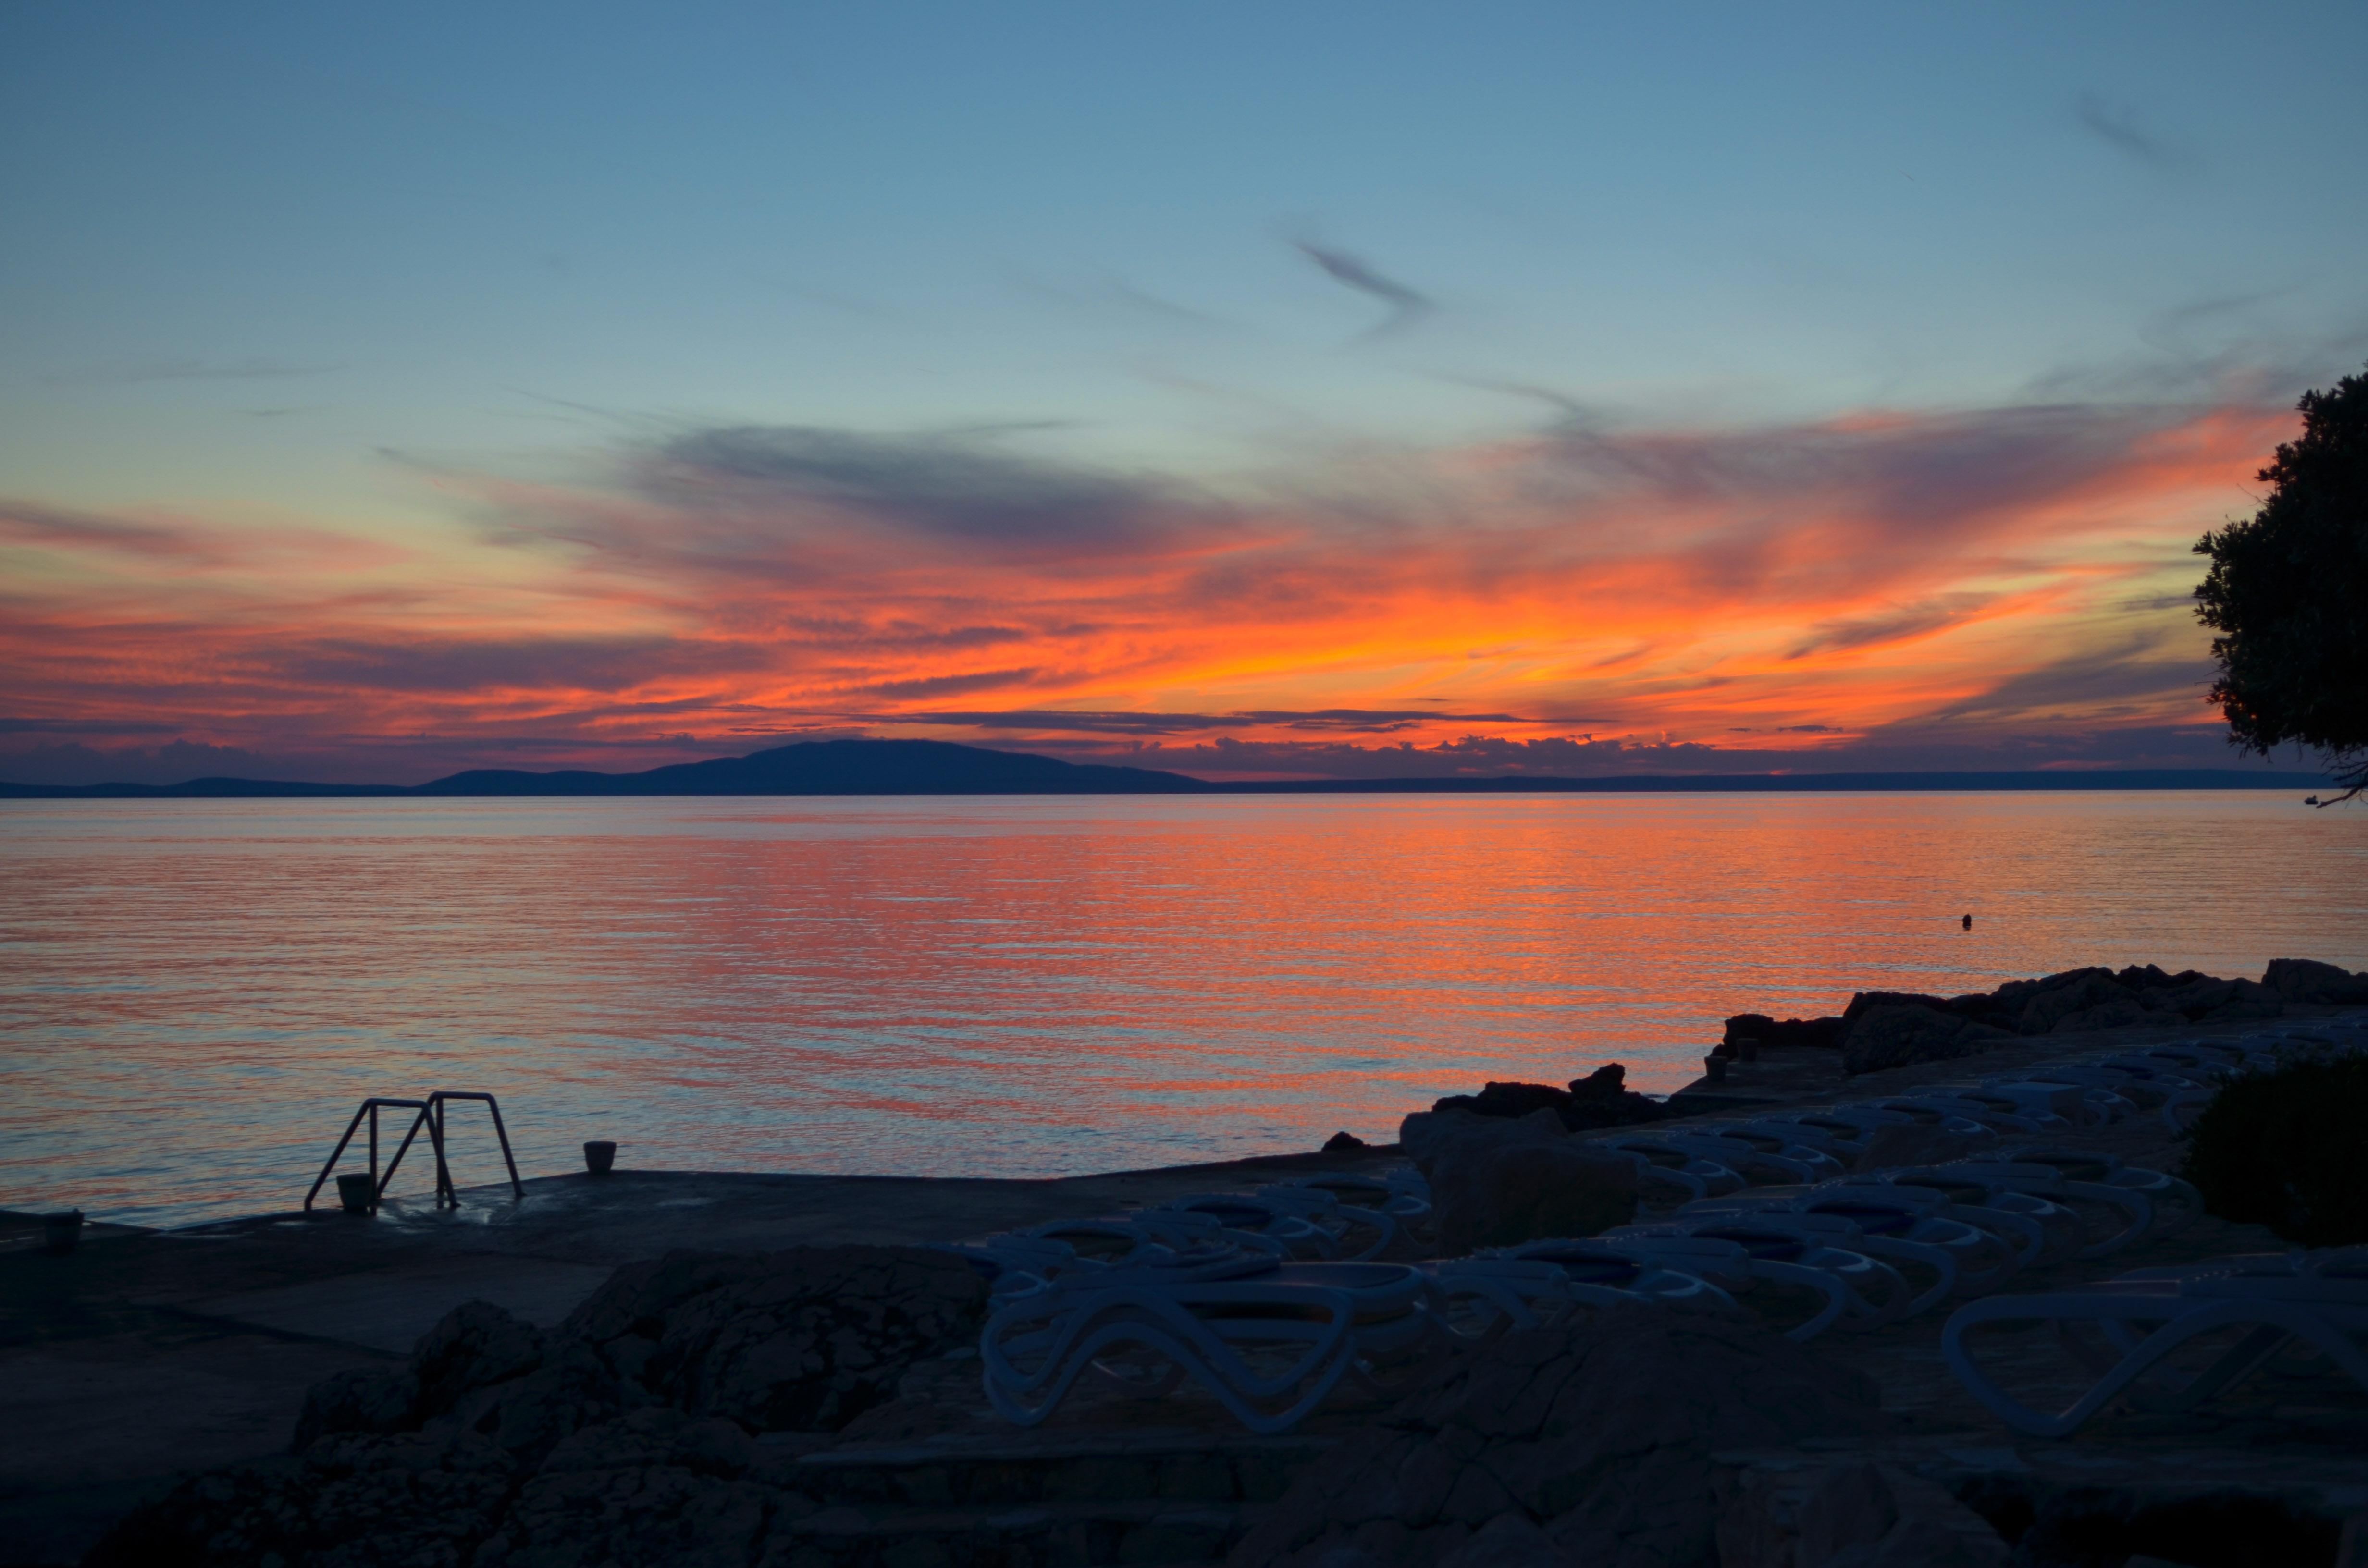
1242 389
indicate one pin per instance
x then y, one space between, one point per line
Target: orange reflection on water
198 993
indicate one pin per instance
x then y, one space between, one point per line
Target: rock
1600 1100
1898 1034
405 1501
2061 995
1919 1145
1608 1081
811 1337
1852 1515
2118 1013
472 1346
1424 1134
1508 1540
1498 1194
359 1401
1982 1008
1819 1034
1603 1099
2306 980
1598 1432
651 1490
624 1433
1506 1100
1344 1142
529 1416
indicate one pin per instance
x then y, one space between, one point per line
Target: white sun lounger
2060 1230
2035 1179
1505 1292
1879 1294
2318 1302
1301 1237
1760 1153
1895 1235
2175 1203
1268 1342
1657 1161
1727 1264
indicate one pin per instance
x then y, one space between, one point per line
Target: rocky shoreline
817 1407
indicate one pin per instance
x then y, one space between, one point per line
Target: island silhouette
943 767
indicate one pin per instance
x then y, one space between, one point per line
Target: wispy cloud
2119 126
1406 306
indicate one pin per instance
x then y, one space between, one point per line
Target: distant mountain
840 767
808 768
939 767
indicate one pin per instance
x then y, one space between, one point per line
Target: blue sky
337 269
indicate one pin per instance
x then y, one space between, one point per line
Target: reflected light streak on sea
195 995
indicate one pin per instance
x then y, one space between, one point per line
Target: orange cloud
1805 586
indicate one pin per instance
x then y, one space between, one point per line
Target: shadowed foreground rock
1581 1443
622 1437
1496 1182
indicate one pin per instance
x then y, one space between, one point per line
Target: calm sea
195 995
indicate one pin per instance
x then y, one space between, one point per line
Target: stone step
1014 1471
1040 1535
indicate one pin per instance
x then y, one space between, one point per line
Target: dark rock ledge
1883 1029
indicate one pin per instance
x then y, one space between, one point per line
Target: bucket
358 1191
600 1155
60 1232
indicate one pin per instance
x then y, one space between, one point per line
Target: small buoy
1969 922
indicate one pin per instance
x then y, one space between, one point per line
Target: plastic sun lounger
2031 1228
2176 1203
1894 1240
1268 1346
1400 1199
2275 1301
1985 1254
1879 1294
1402 1195
2141 1089
2094 1104
2044 1193
1938 1108
1324 1208
1657 1160
1748 1153
1794 1134
1524 1292
1728 1265
2047 1106
1301 1237
1120 1239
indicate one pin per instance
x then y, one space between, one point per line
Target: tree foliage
2288 594
2282 1148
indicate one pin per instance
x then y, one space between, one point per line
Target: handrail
370 1108
444 1190
431 1117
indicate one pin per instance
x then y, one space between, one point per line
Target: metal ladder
430 1115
